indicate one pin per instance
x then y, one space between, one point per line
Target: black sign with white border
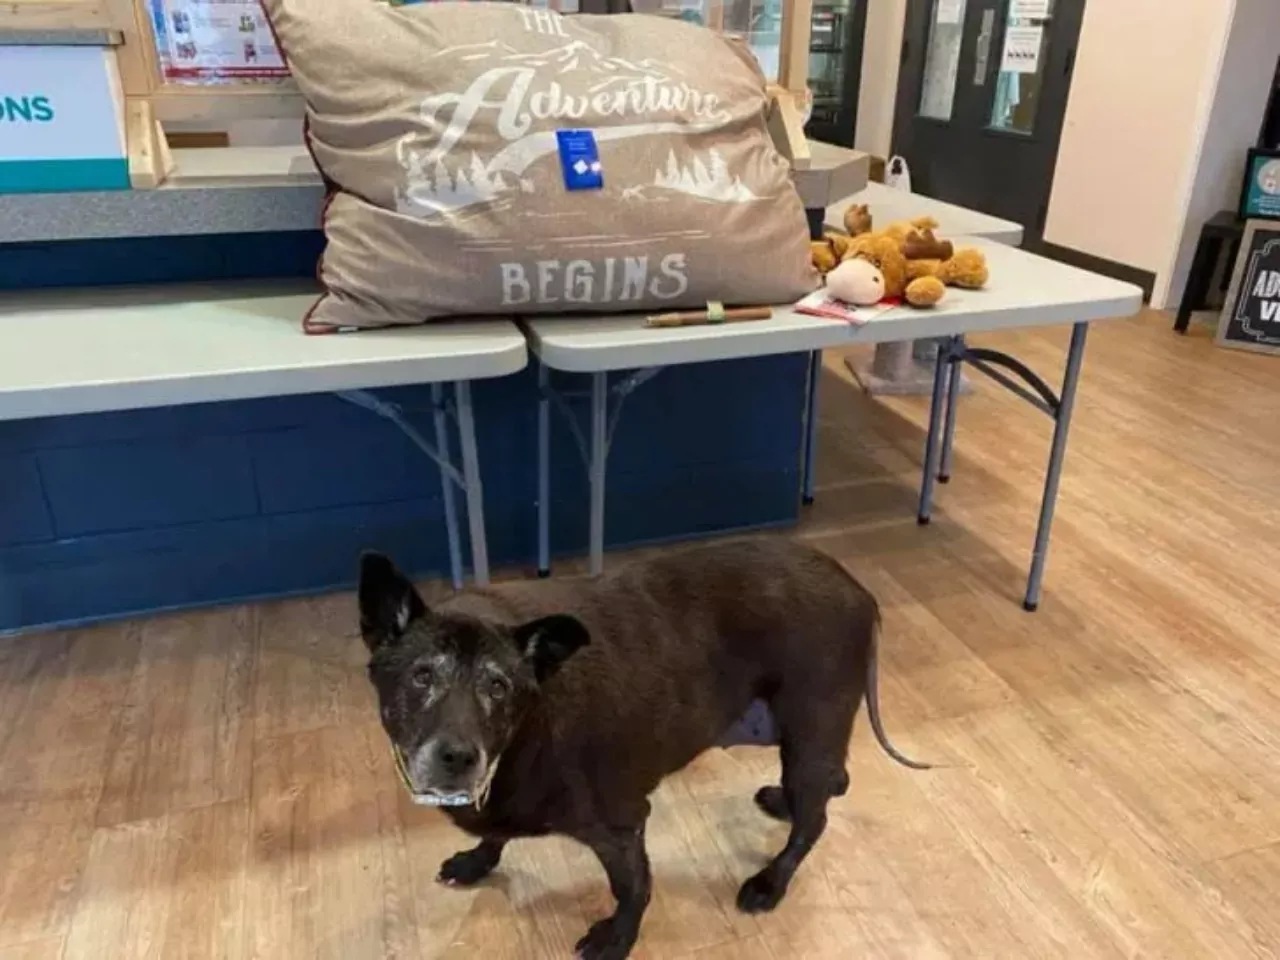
1251 318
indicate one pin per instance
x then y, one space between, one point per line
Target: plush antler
923 245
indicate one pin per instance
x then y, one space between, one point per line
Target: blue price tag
580 160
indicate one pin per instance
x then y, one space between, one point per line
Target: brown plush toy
916 266
885 252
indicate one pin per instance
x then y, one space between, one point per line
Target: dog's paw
760 894
466 869
773 802
606 940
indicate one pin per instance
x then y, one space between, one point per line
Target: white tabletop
1024 291
888 205
95 350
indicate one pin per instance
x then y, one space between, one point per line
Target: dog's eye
421 678
496 688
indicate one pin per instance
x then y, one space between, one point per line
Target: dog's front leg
471 866
622 853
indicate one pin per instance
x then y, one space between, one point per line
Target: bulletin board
208 42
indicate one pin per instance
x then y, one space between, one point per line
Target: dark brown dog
558 706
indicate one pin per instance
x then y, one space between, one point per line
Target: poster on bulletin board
1251 318
215 41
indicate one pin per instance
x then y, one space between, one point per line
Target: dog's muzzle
438 798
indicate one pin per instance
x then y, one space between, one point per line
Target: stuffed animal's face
883 252
856 281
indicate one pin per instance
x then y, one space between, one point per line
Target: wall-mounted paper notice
1029 9
1021 50
949 11
215 41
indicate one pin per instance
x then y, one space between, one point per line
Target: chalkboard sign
1251 317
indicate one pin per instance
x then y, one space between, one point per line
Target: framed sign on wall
1251 318
1260 191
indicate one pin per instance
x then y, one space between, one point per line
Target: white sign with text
61 119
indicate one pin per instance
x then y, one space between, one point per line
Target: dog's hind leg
471 866
815 742
773 802
806 788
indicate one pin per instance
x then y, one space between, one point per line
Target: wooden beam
793 53
56 15
786 127
280 101
149 158
139 70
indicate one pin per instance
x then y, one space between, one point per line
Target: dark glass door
981 98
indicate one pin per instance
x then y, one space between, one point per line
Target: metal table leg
599 462
931 440
1062 426
471 483
441 417
810 427
953 401
544 472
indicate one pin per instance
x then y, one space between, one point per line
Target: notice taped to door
1021 50
1251 318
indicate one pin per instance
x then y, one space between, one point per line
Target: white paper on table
821 304
1021 50
949 11
1029 9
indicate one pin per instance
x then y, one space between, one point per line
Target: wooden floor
215 785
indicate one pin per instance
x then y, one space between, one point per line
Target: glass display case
835 55
835 68
834 50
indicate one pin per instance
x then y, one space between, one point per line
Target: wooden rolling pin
715 313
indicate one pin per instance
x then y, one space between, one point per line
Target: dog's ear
550 641
388 602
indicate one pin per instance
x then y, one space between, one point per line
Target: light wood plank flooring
215 785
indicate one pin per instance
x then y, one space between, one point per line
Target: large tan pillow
436 125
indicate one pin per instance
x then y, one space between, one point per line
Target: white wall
1140 99
876 96
1239 101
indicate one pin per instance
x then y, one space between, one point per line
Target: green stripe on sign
61 176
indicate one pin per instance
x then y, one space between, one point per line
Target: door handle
983 57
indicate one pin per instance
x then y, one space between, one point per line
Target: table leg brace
594 453
468 478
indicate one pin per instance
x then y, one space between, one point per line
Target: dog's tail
873 701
